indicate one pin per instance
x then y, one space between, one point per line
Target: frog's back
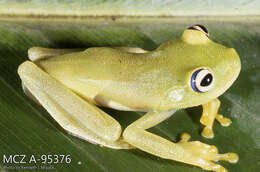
111 77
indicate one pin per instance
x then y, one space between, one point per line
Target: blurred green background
26 128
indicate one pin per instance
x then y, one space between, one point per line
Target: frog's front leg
195 152
75 115
209 114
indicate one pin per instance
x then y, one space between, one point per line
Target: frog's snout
234 66
226 71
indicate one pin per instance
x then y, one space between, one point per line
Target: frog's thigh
209 114
75 115
194 152
36 53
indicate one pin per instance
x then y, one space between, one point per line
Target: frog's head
204 70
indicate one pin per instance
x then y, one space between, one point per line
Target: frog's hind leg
74 114
209 114
37 53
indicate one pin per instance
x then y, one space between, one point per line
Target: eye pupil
201 80
206 80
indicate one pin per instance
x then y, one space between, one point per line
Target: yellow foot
223 120
184 137
207 132
203 155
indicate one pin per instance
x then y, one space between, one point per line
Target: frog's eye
201 80
200 28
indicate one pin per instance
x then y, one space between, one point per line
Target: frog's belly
115 105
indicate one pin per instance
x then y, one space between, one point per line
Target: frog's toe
210 166
207 132
213 149
216 167
185 137
230 157
209 159
225 122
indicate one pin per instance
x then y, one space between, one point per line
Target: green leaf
83 8
26 128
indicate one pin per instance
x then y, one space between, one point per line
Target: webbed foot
204 155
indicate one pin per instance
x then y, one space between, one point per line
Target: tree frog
192 70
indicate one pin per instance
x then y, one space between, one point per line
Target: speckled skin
157 80
127 78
